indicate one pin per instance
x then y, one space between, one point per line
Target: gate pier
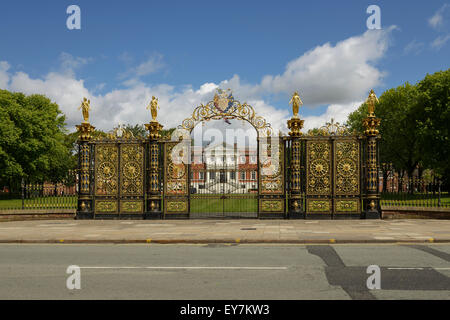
85 208
153 186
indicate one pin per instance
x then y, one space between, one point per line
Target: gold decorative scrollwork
272 205
132 171
271 167
177 206
318 206
318 167
226 107
347 167
175 175
106 171
347 206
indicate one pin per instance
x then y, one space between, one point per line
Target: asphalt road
224 271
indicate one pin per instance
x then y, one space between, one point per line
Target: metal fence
43 196
414 192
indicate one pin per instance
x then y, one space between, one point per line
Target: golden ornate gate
118 176
327 173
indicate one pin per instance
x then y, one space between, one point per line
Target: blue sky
181 51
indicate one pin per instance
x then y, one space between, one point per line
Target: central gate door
223 183
119 178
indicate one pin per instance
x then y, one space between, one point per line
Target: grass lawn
213 204
65 202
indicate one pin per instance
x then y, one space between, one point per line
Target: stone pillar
296 209
153 187
85 208
372 207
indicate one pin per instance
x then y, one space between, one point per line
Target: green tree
33 143
399 143
433 113
137 130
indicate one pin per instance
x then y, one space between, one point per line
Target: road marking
417 268
408 268
191 268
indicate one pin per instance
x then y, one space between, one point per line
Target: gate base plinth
372 215
153 215
174 216
84 215
296 215
318 216
347 216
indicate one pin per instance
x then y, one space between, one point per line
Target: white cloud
152 65
338 112
437 20
414 47
69 63
440 41
335 75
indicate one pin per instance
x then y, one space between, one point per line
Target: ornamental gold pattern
177 206
132 171
271 167
347 206
131 207
346 163
226 107
318 206
272 205
175 174
105 206
106 169
318 164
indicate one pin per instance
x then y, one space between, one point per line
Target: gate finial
295 124
371 123
85 107
153 107
296 103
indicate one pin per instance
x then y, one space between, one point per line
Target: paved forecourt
226 231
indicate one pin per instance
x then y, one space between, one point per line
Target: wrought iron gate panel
347 160
333 175
175 178
223 182
106 173
272 175
119 178
318 176
131 178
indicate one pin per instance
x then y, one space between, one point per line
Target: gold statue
296 103
371 100
85 107
153 106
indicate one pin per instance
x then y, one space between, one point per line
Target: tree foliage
33 143
414 124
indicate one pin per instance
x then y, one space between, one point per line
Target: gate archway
222 178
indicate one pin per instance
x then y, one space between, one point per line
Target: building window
202 175
233 175
212 175
242 159
253 159
253 175
242 175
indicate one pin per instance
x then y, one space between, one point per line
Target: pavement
226 231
